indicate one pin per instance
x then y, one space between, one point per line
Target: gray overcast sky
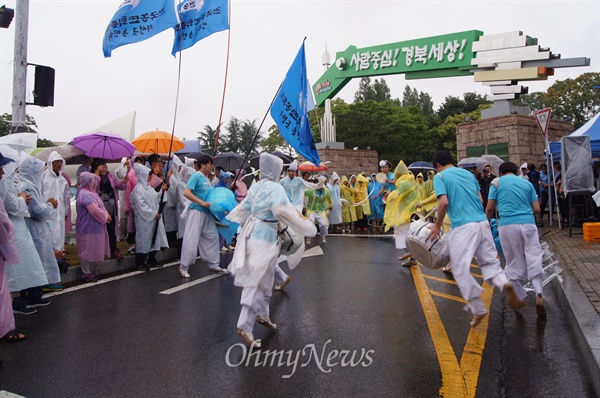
92 90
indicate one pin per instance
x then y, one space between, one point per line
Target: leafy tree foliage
275 142
240 137
378 91
421 100
5 125
207 140
455 106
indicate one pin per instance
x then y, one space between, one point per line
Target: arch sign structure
499 61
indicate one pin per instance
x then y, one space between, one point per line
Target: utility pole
20 68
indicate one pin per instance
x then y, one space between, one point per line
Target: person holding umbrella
107 190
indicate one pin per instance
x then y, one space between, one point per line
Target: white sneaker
224 249
184 274
230 247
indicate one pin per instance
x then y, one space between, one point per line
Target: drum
431 253
381 178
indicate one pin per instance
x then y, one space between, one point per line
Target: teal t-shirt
200 185
513 197
389 186
462 189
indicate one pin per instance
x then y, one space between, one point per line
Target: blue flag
199 19
138 20
290 110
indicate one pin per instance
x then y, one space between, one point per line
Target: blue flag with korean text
138 20
290 110
199 19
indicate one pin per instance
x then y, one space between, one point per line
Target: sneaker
217 269
24 310
117 255
249 339
53 287
131 250
266 322
87 278
224 249
184 274
230 247
323 240
279 288
40 302
142 267
539 306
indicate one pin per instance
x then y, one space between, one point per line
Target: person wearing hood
524 171
127 209
348 209
201 235
375 202
318 205
258 247
29 271
91 231
361 200
8 254
107 190
55 186
144 202
335 216
429 183
401 205
171 212
458 194
295 186
186 171
40 211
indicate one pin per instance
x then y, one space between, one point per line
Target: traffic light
43 92
6 16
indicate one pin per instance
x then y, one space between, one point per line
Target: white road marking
313 251
193 283
7 394
102 281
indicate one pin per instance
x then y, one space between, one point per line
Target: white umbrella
492 160
20 141
65 151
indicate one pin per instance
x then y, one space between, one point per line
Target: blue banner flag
199 19
138 20
290 110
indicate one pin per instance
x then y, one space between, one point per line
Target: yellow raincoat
348 209
401 203
361 194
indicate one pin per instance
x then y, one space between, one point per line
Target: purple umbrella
104 145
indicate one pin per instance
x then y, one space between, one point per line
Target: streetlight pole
20 67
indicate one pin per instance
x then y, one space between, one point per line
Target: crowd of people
153 207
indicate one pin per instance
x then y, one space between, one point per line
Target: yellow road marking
448 296
458 379
437 278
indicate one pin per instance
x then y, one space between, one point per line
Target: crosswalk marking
192 283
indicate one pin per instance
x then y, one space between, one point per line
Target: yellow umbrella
157 142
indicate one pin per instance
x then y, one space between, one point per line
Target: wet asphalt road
351 324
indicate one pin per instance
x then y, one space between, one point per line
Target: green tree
378 91
420 100
207 140
531 101
241 137
456 106
275 142
574 98
5 126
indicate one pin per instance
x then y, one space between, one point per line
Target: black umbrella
254 160
230 161
421 167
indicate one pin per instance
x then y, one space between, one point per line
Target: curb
114 266
582 318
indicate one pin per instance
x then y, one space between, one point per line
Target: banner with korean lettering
199 19
290 110
138 20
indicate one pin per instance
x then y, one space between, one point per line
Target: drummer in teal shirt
390 182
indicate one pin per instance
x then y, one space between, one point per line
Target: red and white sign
543 119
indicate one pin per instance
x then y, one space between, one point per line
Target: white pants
280 276
255 300
468 241
400 234
322 222
200 236
523 253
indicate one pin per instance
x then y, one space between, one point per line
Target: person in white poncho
55 186
144 202
258 244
